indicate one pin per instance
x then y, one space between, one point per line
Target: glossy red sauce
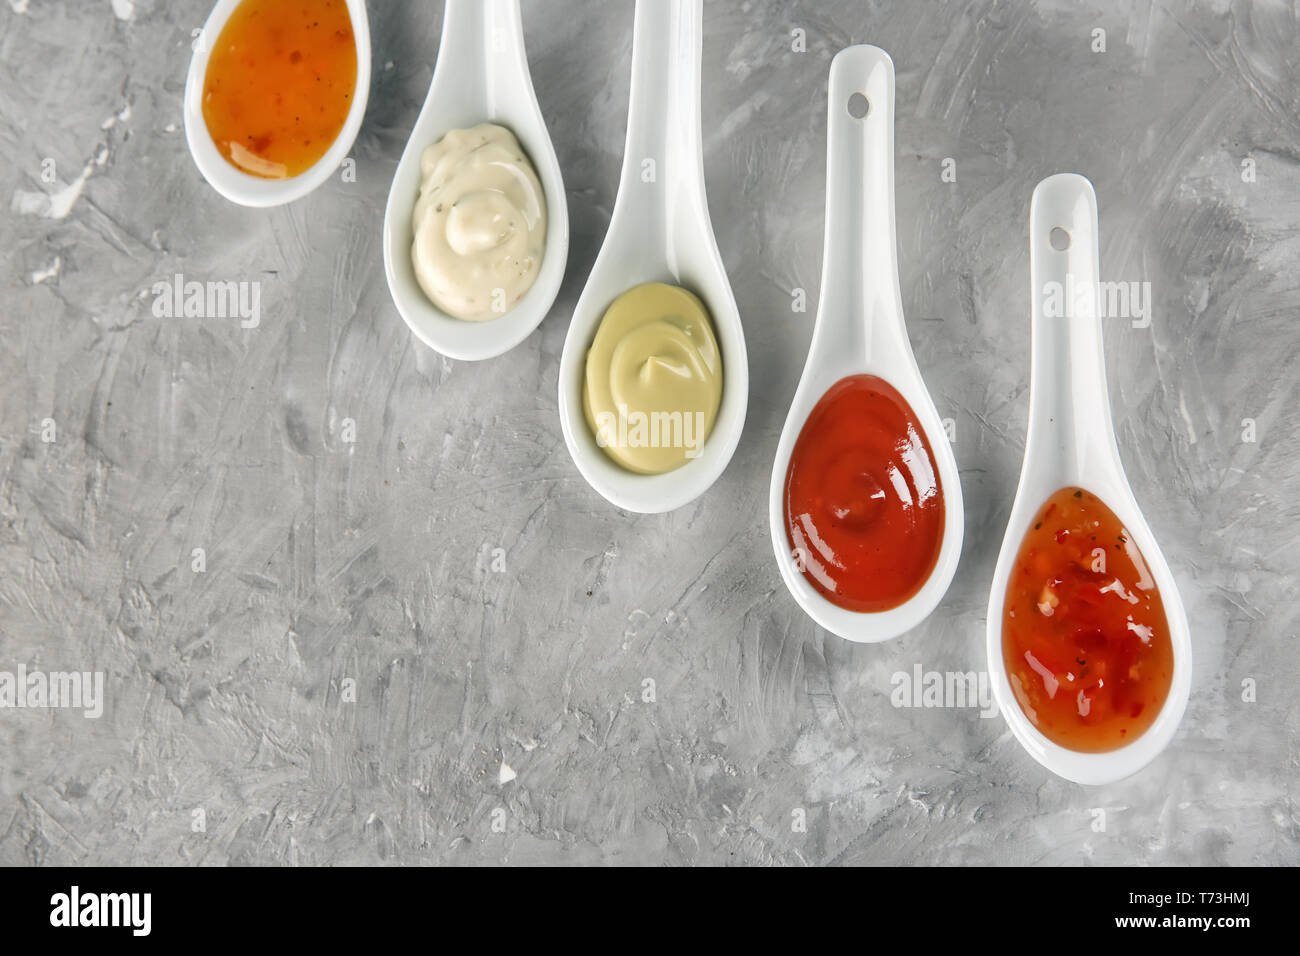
863 501
1084 633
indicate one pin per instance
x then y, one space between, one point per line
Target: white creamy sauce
479 223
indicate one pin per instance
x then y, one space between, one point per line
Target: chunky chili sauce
280 83
1084 633
863 501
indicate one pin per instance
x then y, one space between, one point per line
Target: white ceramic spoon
232 182
1071 443
659 232
860 328
481 77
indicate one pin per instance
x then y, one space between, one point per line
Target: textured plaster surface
497 620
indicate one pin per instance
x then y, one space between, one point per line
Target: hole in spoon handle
858 105
1064 241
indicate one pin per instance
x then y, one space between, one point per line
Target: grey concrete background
373 561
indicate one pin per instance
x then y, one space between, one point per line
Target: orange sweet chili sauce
1084 634
280 84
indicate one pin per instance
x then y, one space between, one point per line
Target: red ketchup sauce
863 500
1084 634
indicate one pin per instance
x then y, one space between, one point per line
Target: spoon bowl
481 76
860 329
227 179
1071 442
660 231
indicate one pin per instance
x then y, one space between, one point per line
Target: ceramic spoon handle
861 260
483 43
662 162
1069 411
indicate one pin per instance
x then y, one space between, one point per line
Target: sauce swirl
653 381
479 223
863 500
